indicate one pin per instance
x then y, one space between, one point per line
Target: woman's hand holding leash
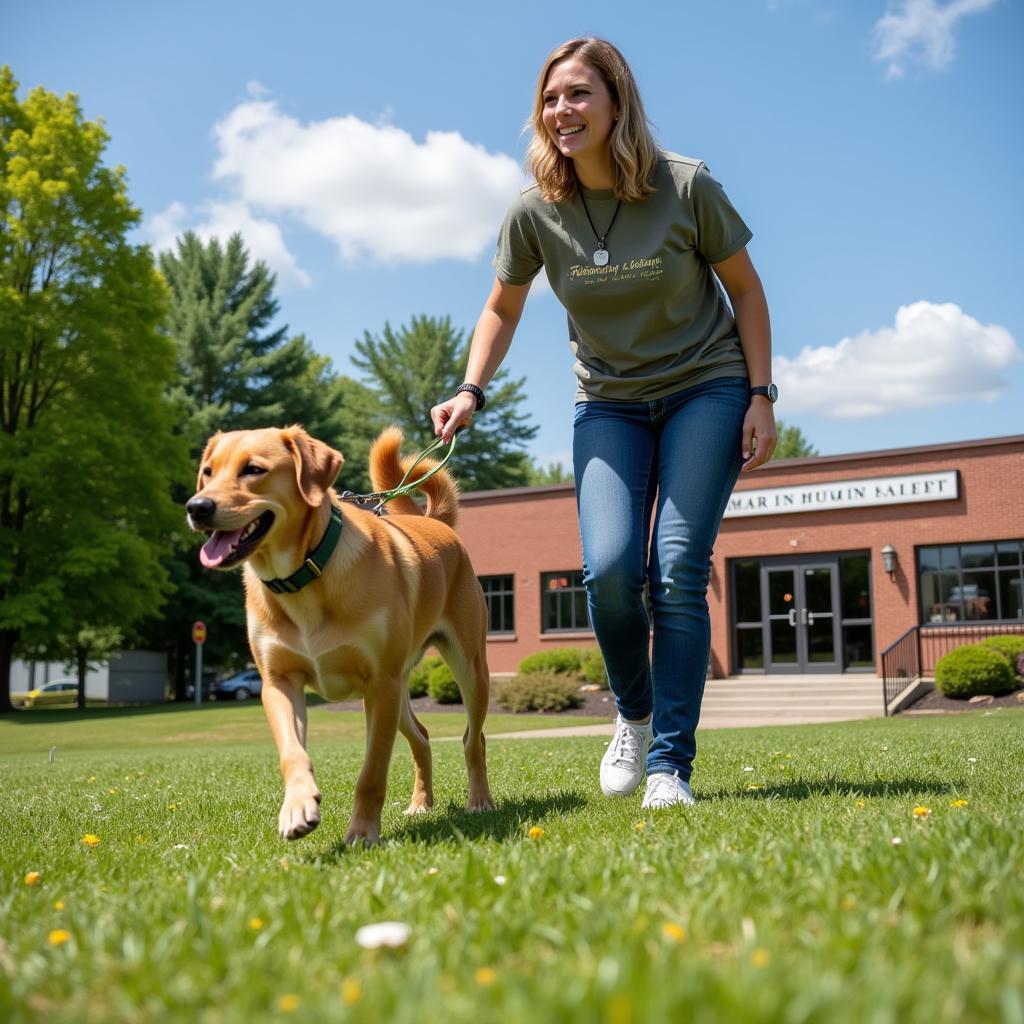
452 415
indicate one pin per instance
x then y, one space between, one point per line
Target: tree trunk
83 667
7 639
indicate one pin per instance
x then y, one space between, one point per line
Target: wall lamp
889 559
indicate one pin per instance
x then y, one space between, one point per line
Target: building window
563 602
500 596
971 582
855 605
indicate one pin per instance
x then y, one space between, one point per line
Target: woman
673 399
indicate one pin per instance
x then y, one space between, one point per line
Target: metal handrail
913 655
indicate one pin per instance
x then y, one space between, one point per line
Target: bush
420 674
538 691
557 661
1009 646
973 669
592 667
442 687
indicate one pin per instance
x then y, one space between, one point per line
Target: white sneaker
622 766
664 790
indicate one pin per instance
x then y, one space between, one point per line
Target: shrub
1009 646
972 669
538 691
592 667
442 687
557 661
420 674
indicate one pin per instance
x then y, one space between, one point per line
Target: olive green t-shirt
653 320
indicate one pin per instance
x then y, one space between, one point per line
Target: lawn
866 871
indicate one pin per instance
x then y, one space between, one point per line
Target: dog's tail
387 467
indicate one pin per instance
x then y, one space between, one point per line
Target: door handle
792 617
809 617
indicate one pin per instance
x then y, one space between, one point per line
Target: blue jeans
676 458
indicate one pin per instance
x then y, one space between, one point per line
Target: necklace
601 252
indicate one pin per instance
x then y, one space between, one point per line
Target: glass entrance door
803 627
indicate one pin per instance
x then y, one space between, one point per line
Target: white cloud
921 31
220 220
371 188
935 354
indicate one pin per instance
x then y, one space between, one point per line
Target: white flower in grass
896 841
500 879
972 760
383 935
747 768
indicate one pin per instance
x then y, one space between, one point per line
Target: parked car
56 691
241 686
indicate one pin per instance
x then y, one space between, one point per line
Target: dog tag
600 257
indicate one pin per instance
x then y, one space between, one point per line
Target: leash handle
383 497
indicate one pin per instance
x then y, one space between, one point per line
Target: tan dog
391 587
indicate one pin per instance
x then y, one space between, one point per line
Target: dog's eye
207 471
251 470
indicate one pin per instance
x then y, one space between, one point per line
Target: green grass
170 725
779 897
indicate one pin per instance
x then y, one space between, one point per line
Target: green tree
792 444
416 367
236 370
552 473
87 449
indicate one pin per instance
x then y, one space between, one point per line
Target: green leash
404 487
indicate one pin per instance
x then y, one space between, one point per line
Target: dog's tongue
218 547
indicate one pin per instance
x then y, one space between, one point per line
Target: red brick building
821 563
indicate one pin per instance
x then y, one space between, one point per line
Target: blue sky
368 152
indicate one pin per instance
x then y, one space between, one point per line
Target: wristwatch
771 392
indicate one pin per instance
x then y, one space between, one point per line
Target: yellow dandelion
255 923
33 878
351 991
140 839
536 832
285 866
922 812
760 957
92 778
485 976
59 936
958 803
640 826
58 905
112 790
860 803
848 903
755 785
619 1010
673 932
288 1003
91 840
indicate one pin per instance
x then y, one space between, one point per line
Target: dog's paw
300 814
366 833
419 805
478 803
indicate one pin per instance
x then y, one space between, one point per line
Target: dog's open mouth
226 548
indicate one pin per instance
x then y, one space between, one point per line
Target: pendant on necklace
600 257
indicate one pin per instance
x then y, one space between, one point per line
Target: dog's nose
200 508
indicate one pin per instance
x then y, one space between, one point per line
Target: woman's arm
749 306
491 340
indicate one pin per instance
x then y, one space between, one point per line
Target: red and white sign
199 632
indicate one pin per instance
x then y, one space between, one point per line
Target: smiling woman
640 246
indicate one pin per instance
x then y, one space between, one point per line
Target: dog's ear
316 464
207 455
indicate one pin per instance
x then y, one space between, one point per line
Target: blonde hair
631 145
